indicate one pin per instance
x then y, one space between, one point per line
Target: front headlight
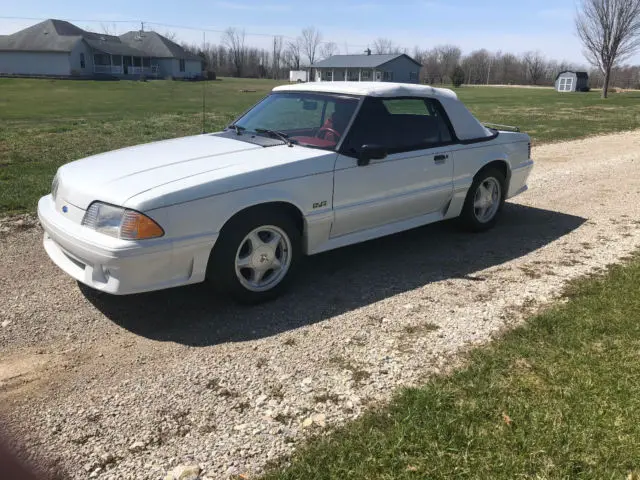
120 222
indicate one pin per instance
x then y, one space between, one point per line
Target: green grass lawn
558 398
46 123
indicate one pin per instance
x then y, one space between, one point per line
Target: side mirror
371 152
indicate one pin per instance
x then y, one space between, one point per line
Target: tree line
233 56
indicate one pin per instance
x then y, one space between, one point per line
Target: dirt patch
22 372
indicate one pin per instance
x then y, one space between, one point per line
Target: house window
82 63
327 75
352 75
146 62
388 76
413 75
378 76
182 65
365 75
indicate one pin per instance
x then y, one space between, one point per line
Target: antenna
204 84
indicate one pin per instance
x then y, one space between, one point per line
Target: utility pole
489 70
275 73
141 26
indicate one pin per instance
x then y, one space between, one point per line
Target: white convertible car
309 168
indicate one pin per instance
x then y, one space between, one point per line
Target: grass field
46 123
556 399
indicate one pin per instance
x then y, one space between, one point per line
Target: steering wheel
324 130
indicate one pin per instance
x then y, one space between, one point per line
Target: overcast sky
507 25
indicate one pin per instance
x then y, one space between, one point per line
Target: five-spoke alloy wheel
263 258
256 254
487 199
484 200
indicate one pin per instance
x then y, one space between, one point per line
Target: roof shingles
60 36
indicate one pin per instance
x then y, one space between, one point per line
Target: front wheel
256 256
484 201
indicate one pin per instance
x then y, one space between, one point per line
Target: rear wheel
484 201
256 255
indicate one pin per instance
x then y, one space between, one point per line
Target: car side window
399 125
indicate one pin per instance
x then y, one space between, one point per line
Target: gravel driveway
129 387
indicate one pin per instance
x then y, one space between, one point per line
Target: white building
59 48
368 68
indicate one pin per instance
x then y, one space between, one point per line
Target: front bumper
121 267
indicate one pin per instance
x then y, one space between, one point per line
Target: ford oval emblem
65 209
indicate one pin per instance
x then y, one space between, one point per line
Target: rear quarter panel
509 147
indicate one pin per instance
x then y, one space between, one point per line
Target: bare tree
109 29
234 41
385 46
329 49
170 35
610 33
432 69
477 65
311 39
382 46
449 57
293 54
536 65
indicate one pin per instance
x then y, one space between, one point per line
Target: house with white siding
59 48
367 68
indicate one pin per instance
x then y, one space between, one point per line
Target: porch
104 63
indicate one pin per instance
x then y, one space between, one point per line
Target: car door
414 179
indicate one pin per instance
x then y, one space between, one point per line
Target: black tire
468 218
221 270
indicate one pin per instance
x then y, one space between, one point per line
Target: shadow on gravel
338 281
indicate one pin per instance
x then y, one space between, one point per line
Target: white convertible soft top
467 127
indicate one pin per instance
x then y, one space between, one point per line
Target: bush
458 76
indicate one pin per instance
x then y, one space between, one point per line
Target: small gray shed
569 81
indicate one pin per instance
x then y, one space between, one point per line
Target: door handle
440 158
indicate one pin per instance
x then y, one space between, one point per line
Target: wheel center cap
262 257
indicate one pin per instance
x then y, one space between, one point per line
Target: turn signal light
136 226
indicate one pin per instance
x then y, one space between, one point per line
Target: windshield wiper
237 128
275 133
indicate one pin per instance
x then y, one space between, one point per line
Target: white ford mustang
309 168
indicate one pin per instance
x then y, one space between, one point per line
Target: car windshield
307 119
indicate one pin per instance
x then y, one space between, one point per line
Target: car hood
117 176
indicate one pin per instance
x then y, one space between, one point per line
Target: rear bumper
519 176
117 266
